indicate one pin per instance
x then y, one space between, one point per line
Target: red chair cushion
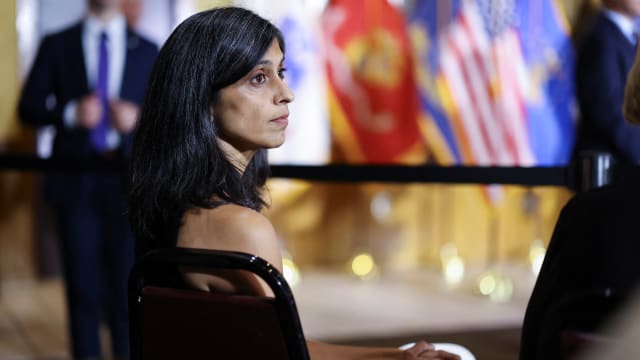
191 324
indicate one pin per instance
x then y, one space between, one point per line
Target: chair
167 322
589 271
575 323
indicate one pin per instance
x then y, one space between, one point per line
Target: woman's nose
284 93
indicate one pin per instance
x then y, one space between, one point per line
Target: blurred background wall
16 226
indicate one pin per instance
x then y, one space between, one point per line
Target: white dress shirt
116 30
624 23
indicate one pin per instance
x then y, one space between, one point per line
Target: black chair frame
284 302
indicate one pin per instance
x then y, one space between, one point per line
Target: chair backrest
176 323
575 323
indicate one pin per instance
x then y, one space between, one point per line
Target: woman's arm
235 228
421 350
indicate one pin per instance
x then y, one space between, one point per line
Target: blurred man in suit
88 81
605 55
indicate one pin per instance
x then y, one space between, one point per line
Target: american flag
485 75
495 80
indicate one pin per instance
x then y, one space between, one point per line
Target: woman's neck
239 159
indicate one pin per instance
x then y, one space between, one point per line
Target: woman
216 100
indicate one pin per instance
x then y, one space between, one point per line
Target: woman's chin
275 144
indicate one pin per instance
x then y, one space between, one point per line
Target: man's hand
89 111
631 105
124 115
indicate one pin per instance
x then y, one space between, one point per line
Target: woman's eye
259 79
281 73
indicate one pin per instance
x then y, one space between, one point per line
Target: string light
381 206
487 284
454 270
536 256
497 287
452 264
363 265
290 270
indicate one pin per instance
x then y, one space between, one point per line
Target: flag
495 81
307 135
373 101
496 89
548 50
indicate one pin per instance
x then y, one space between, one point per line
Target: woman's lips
284 119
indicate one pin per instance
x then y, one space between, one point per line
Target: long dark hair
176 162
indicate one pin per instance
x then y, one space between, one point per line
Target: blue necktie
99 133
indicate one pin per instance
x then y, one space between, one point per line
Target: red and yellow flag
373 101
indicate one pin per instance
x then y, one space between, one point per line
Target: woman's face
252 113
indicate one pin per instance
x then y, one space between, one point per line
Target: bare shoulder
242 218
230 227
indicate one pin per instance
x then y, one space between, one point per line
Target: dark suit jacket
58 76
595 245
605 57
